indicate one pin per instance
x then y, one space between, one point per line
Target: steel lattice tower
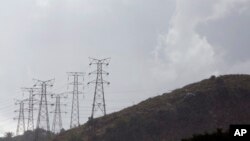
57 120
30 124
99 98
43 115
74 120
21 119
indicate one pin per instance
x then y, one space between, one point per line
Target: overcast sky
155 46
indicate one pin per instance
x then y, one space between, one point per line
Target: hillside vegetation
197 108
217 136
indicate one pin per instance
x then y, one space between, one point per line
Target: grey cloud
155 46
229 36
192 48
46 38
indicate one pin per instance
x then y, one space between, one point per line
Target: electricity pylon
21 119
74 120
57 120
43 115
99 98
30 109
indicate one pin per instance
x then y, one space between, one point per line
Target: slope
201 107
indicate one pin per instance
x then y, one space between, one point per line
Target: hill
217 136
197 108
29 136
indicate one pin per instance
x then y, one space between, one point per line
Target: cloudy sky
155 46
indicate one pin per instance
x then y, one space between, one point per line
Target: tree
8 136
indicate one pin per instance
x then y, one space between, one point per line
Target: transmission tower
74 120
30 109
99 98
21 120
57 120
43 115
